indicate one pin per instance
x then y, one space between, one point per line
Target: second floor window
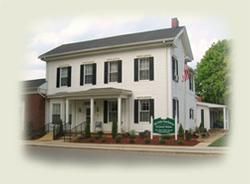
191 81
88 74
144 68
175 72
113 71
63 76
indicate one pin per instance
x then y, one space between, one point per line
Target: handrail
77 127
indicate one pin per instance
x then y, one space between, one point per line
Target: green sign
164 126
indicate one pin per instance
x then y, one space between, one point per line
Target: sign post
176 131
152 132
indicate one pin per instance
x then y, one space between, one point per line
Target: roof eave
45 57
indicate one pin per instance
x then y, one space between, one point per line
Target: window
144 110
144 69
191 114
175 73
88 74
64 76
112 111
176 109
113 71
191 82
56 113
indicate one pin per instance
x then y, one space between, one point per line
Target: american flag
185 75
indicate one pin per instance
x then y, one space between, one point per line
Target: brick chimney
175 22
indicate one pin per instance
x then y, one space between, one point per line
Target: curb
181 150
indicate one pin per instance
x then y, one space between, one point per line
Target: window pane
88 79
144 116
113 67
144 74
64 72
88 69
56 109
144 69
144 110
113 77
64 81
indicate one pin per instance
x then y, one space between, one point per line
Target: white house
126 78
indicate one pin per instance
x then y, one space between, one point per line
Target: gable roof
32 85
161 34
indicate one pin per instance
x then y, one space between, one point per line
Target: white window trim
84 81
139 69
63 67
139 110
109 72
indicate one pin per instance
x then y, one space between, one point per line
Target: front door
87 113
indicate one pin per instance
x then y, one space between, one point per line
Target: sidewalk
180 150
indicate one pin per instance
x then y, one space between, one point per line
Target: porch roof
94 92
211 105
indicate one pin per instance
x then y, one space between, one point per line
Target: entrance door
87 113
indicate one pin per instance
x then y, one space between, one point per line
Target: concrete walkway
214 135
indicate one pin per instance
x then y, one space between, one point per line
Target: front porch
99 106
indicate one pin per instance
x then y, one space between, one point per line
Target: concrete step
47 137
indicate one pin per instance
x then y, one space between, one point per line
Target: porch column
91 115
67 111
224 118
119 115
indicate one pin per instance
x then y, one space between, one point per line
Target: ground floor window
176 109
56 113
144 110
112 111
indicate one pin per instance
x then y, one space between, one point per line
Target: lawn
223 141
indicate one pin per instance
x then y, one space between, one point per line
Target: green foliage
181 131
165 136
132 134
162 141
114 130
180 142
212 74
87 130
118 139
188 135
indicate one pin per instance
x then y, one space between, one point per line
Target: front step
47 137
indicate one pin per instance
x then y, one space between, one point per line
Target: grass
223 141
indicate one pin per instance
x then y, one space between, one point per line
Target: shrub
99 134
180 142
165 137
201 127
147 141
188 135
114 130
132 134
118 139
87 130
162 141
181 131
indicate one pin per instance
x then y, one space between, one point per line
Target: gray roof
32 85
115 40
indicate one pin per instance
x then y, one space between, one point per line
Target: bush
114 130
180 142
118 139
144 134
132 134
87 130
162 141
165 137
147 141
181 131
201 127
188 135
99 134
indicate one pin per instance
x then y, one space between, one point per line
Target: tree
212 74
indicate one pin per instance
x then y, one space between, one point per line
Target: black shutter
136 111
58 78
119 71
177 110
173 68
94 74
81 75
152 108
151 68
136 70
173 108
106 72
105 111
177 72
69 76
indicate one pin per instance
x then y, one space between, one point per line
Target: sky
47 34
